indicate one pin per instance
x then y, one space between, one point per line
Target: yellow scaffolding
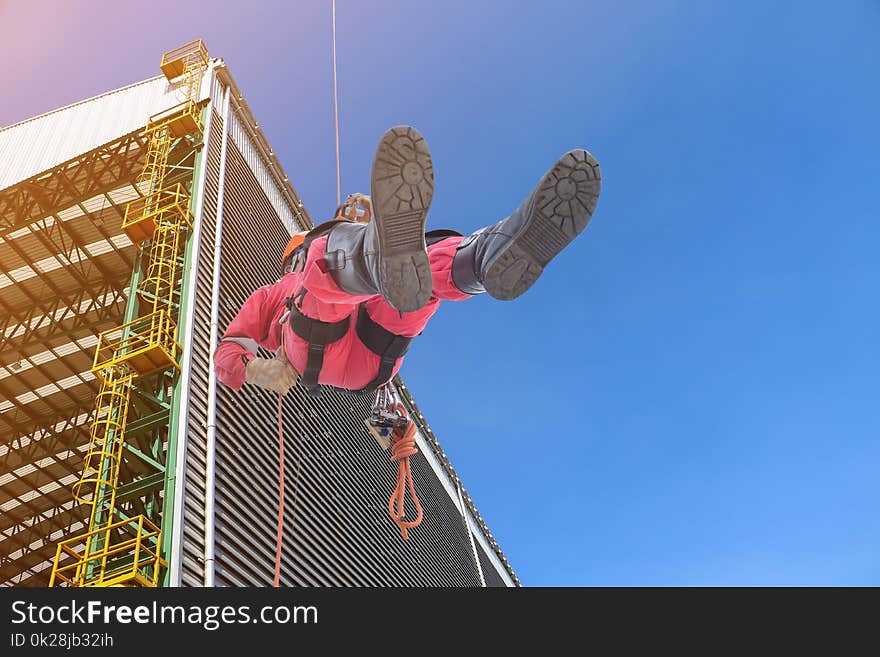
163 207
127 551
142 346
123 553
179 121
192 56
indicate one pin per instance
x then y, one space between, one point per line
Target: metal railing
179 120
107 435
168 206
146 345
188 57
123 553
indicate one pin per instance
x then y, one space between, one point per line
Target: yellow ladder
118 550
101 463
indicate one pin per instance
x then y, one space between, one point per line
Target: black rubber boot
401 188
388 256
351 257
506 259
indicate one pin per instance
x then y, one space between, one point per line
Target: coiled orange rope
402 447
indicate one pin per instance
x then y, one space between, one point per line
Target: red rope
402 447
280 494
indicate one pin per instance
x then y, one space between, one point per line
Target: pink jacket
347 362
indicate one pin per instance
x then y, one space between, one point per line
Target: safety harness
386 345
382 342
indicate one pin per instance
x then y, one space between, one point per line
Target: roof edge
249 121
81 102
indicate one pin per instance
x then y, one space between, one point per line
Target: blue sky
688 396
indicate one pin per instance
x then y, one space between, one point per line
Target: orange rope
402 447
280 493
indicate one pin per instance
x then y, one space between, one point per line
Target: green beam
147 423
143 457
185 309
149 396
141 487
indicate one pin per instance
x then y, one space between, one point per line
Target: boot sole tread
563 206
402 188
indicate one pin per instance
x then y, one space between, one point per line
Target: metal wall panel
33 146
240 134
494 571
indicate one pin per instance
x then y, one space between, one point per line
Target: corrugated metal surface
240 134
33 146
216 87
494 572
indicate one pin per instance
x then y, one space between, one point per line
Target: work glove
271 373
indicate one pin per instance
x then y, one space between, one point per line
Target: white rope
336 112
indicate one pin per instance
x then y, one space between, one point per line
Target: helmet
293 245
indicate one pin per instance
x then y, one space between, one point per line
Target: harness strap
440 234
375 337
318 334
382 342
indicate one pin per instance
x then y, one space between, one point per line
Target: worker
356 290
